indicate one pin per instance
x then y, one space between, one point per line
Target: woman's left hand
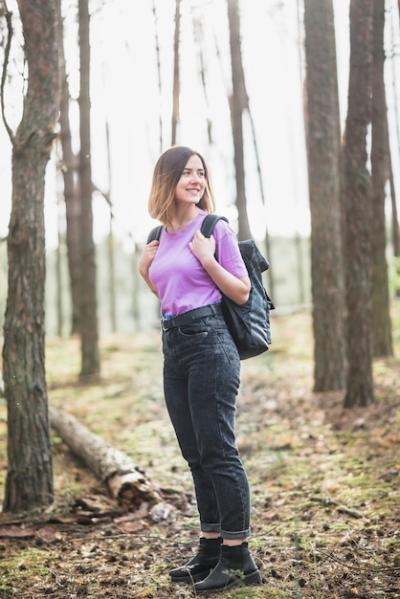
202 247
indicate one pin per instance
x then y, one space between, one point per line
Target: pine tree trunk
136 288
395 218
157 45
237 103
58 262
29 481
88 301
198 35
112 281
116 470
176 82
327 271
71 193
357 208
382 330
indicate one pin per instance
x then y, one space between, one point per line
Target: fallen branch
124 480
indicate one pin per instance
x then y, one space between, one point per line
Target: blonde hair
167 172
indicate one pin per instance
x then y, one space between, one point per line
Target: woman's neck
183 216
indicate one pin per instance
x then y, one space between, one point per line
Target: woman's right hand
147 257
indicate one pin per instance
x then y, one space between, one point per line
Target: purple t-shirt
181 282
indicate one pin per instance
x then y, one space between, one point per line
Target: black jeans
201 380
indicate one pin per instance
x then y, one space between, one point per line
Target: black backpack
249 324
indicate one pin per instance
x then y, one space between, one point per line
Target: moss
30 564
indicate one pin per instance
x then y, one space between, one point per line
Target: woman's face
192 184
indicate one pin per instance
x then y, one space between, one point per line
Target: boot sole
253 578
188 579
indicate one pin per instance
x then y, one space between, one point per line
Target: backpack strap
208 224
154 234
207 227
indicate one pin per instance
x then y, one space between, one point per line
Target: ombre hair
167 172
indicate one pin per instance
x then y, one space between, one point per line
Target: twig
8 17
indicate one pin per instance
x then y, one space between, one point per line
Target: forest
295 106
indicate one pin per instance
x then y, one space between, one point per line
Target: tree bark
122 477
237 103
29 481
395 218
198 35
71 193
59 304
327 271
176 82
157 45
357 208
88 301
112 281
136 288
382 330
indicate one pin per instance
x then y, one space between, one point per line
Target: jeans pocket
192 332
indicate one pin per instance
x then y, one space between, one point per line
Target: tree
157 45
88 301
323 147
382 330
71 192
176 81
356 203
237 103
29 481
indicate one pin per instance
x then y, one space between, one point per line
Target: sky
124 91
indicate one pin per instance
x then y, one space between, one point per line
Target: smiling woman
189 272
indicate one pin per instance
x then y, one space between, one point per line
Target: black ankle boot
201 564
235 568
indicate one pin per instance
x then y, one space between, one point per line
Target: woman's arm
238 290
146 278
145 261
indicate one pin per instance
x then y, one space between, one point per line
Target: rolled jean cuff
241 534
206 527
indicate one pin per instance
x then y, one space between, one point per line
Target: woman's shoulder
223 228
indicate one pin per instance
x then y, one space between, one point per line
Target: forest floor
324 481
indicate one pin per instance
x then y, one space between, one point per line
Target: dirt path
325 482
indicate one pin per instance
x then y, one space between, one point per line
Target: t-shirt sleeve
228 253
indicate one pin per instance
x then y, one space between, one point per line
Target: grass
305 456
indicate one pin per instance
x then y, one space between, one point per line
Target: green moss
34 562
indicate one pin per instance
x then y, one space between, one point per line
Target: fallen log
125 481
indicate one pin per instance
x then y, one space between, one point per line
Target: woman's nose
196 177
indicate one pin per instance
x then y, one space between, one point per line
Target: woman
201 363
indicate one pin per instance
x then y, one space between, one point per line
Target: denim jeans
201 379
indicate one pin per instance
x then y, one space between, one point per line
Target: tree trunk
136 288
298 240
71 193
327 273
29 481
198 35
123 478
112 282
157 45
58 262
176 82
237 102
382 330
88 301
395 218
357 207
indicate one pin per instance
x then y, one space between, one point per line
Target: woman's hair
167 172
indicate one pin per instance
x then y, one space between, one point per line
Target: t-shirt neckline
201 213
